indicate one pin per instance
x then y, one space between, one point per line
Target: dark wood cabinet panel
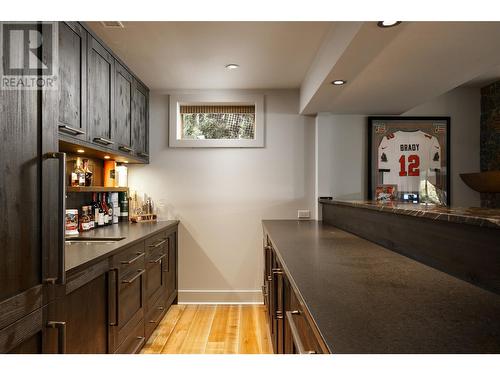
122 122
171 264
290 327
127 294
102 105
72 119
100 89
84 312
140 121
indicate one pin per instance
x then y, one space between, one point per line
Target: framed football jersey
413 154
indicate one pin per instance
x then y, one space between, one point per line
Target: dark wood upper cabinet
30 263
101 103
122 122
140 121
100 91
72 119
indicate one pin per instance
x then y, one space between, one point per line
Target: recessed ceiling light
107 156
385 24
232 66
339 82
80 151
125 161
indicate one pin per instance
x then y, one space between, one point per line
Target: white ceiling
192 55
388 71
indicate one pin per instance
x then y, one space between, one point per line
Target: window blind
185 109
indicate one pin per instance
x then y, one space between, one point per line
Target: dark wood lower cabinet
290 326
110 307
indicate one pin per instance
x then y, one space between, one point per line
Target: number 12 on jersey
413 165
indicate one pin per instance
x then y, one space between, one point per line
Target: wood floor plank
264 338
197 335
161 334
177 337
211 329
248 335
231 339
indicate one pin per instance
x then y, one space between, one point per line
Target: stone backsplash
490 137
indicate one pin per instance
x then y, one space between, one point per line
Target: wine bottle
95 209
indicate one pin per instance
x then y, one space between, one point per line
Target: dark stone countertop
484 217
81 255
367 299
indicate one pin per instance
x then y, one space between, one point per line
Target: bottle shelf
95 189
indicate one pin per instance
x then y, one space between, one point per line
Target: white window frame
175 123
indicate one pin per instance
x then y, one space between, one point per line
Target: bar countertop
365 298
80 255
485 217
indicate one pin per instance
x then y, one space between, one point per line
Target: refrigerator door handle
61 203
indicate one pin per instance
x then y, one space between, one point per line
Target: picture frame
413 153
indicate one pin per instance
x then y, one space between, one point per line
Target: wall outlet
303 214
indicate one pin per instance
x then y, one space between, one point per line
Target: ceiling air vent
113 24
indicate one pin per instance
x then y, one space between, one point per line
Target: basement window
216 122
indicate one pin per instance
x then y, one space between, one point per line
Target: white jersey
406 158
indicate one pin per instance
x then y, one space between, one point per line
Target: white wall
341 147
221 195
341 156
464 107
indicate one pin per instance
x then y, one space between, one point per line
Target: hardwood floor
211 329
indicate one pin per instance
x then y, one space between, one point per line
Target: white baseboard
220 297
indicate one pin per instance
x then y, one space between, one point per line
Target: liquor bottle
95 209
90 212
123 202
88 172
109 205
104 209
78 175
116 207
100 221
84 220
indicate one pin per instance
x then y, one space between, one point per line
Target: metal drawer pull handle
115 289
69 129
295 333
159 259
61 335
141 341
139 255
160 308
143 154
130 281
267 247
159 243
125 148
103 141
61 202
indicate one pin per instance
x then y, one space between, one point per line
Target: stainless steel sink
93 240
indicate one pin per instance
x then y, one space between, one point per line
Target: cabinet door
72 119
35 333
171 265
122 122
127 294
140 120
85 314
30 263
100 84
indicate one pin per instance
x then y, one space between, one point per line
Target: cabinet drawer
302 333
155 278
134 342
155 315
130 259
159 240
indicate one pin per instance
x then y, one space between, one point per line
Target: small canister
71 222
